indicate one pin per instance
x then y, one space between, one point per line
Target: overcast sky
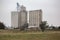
50 8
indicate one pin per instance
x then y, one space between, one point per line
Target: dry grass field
17 35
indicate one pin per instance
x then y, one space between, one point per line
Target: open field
17 35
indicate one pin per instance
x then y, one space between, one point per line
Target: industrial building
21 17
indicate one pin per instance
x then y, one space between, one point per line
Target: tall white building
19 18
22 16
14 19
35 18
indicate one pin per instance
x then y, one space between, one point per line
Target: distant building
14 19
22 16
35 18
19 18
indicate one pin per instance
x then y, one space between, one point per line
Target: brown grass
17 35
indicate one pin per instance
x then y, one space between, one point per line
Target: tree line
42 26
